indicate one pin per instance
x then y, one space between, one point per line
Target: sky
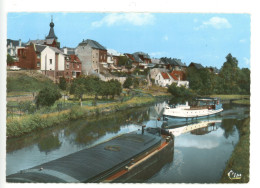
204 38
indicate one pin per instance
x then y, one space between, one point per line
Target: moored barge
131 157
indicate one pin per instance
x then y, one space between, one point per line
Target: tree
9 59
114 88
122 61
244 81
62 83
78 88
136 83
128 82
47 96
179 91
229 73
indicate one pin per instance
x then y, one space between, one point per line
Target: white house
163 79
52 62
52 59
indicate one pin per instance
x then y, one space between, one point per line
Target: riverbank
18 126
239 160
237 99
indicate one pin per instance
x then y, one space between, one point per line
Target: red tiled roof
178 73
74 58
165 75
131 57
173 76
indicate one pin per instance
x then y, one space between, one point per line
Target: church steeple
51 32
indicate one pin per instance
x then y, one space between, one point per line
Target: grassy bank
239 160
238 99
18 126
19 82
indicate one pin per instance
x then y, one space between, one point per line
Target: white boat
201 108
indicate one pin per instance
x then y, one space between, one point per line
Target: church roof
51 32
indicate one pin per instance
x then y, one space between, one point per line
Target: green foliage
27 106
230 73
136 83
63 84
23 81
94 86
128 82
122 61
47 96
179 91
9 59
230 80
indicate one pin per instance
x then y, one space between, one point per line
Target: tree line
230 80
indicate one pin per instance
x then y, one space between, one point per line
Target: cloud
215 22
137 19
246 61
157 54
242 40
165 38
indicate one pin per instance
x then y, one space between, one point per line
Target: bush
179 91
47 96
63 84
128 82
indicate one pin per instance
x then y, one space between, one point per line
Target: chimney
20 43
65 50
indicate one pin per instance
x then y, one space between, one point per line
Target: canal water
199 156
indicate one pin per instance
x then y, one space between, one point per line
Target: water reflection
49 143
194 150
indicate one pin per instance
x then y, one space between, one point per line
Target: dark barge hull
103 161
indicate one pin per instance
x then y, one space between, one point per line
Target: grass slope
26 81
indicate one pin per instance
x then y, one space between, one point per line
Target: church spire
51 32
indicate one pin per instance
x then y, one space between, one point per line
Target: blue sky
202 38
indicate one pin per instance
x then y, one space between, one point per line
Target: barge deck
104 162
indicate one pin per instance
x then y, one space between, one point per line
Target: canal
199 156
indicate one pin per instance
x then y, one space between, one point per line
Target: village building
72 67
173 64
30 56
213 70
92 55
50 40
196 65
68 50
165 79
52 62
48 59
13 46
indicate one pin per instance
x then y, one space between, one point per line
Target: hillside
26 81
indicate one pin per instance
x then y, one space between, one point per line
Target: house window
38 64
67 65
38 56
50 61
78 66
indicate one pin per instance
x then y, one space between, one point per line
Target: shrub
47 96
